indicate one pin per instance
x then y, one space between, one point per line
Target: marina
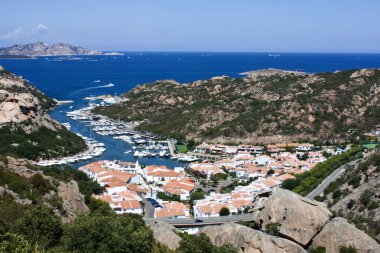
109 139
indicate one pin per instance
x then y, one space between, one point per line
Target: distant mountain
43 49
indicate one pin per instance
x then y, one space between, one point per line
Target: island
43 49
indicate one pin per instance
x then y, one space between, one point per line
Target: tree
270 172
14 243
202 244
108 233
224 211
99 206
289 184
40 225
197 195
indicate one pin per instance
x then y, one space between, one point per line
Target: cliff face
43 49
20 102
264 107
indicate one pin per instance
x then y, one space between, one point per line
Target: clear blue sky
196 25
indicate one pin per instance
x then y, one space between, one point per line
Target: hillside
26 129
43 49
355 195
263 107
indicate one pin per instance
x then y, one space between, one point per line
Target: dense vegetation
325 106
359 185
42 143
306 182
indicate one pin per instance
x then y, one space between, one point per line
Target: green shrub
272 229
224 211
319 250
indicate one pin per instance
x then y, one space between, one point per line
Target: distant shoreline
17 57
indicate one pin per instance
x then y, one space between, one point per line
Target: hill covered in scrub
355 195
26 130
263 107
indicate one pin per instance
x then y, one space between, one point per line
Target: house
161 174
264 160
92 170
182 188
251 149
139 189
127 206
206 169
123 202
304 147
172 210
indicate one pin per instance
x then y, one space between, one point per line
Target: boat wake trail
94 87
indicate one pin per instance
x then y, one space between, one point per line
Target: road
335 175
172 147
190 222
149 208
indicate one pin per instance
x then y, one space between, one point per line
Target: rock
338 232
247 240
4 191
363 72
164 234
73 200
298 218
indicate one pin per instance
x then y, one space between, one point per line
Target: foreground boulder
338 233
164 234
247 240
295 217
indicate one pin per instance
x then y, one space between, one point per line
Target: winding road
335 175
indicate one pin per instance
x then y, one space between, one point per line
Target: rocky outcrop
164 234
43 49
16 198
338 232
20 102
73 200
247 240
296 217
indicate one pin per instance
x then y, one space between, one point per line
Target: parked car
198 220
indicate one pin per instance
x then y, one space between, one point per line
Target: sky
196 25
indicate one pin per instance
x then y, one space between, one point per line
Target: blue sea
91 75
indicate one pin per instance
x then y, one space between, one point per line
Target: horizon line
243 52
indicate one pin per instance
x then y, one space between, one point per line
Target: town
225 184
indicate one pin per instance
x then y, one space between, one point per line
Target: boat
67 125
